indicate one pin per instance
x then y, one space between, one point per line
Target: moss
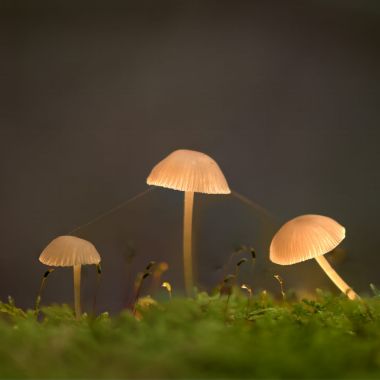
329 337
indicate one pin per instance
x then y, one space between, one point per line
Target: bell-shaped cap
66 251
304 238
188 170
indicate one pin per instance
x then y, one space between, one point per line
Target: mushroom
310 237
191 172
67 251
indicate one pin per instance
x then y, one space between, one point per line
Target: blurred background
284 95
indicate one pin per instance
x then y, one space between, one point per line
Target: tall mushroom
67 251
191 172
310 237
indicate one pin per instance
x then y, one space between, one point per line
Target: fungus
67 251
191 172
310 237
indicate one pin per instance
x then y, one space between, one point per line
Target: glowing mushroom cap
66 251
188 170
304 238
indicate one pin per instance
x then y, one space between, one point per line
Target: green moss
330 337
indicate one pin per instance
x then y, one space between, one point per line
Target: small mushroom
67 251
310 237
191 172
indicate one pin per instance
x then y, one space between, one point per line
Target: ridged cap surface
188 170
65 251
304 238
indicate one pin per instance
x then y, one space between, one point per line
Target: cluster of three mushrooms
305 237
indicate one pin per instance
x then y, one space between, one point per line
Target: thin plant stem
226 307
98 278
237 268
281 282
138 291
239 250
168 288
249 291
40 291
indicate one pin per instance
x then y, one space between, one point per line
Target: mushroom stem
77 270
335 278
187 241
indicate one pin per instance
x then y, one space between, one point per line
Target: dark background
283 94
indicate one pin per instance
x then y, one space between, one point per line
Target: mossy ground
329 337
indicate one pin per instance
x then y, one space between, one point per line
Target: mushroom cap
66 251
188 170
304 238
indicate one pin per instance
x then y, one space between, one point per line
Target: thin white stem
335 278
187 241
77 270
